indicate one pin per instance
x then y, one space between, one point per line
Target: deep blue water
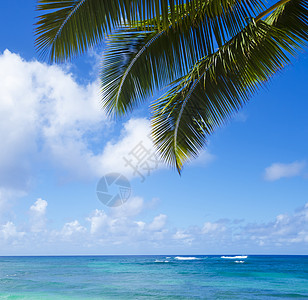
154 277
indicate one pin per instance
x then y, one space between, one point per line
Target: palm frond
120 72
67 28
292 17
70 27
221 83
135 65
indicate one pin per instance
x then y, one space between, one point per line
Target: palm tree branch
270 9
74 10
221 83
177 124
67 28
171 52
139 53
120 57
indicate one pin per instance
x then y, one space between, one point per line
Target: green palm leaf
138 62
221 83
67 28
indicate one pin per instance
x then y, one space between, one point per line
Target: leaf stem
273 7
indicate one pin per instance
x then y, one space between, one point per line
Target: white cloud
134 145
278 170
180 234
284 230
120 225
9 231
101 223
114 230
131 208
210 228
98 220
46 116
37 215
158 223
39 207
72 228
183 237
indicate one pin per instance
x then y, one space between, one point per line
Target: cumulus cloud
278 170
120 225
37 215
46 115
39 207
158 223
9 232
98 221
133 154
72 228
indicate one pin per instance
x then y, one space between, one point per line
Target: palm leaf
67 28
138 62
221 83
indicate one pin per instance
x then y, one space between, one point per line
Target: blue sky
247 193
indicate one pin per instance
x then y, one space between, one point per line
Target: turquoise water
154 277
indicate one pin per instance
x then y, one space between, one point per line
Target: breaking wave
186 258
235 257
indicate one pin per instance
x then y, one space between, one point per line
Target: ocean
154 277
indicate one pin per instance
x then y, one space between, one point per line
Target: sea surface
154 277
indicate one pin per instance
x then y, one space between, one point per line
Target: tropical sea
154 277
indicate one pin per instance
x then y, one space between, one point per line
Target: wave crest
186 258
235 257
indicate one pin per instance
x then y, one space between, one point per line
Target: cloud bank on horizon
123 231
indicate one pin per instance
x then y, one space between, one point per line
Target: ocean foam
185 258
235 257
239 261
